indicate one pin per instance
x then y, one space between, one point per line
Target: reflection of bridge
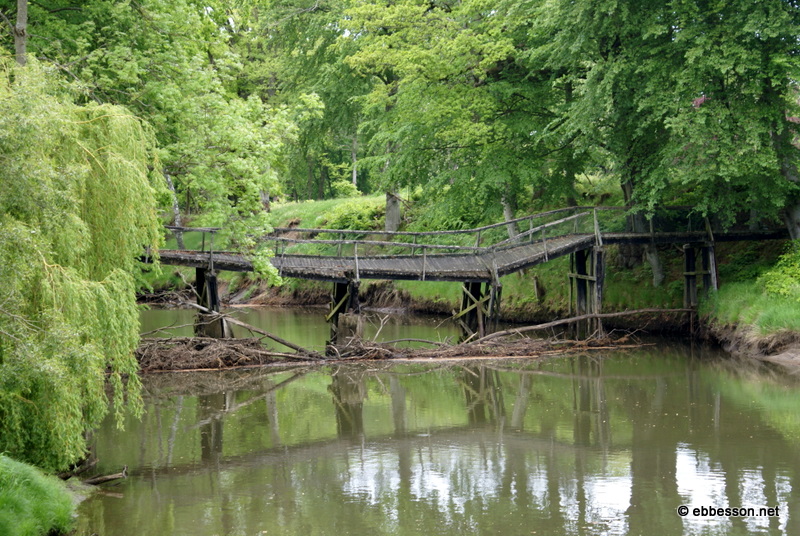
529 437
478 258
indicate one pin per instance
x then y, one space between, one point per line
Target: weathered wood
350 326
689 277
279 340
599 283
97 480
564 321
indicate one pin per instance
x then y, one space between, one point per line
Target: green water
304 326
602 443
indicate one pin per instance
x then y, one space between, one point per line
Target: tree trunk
21 32
569 159
176 212
310 178
323 180
354 156
782 140
508 215
792 219
392 212
638 224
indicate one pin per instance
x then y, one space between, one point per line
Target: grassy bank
747 303
31 503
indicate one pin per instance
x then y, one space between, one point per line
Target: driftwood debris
102 479
310 354
198 353
572 320
78 469
202 353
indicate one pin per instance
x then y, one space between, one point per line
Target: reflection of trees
541 467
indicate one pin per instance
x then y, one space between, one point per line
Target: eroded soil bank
782 348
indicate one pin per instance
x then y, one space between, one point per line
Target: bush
343 188
784 278
356 214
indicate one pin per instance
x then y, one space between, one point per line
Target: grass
31 503
311 214
746 303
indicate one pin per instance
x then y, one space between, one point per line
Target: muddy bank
782 348
384 296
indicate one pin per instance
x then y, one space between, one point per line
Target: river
609 442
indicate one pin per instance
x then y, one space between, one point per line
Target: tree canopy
77 208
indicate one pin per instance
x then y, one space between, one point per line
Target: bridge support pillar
345 313
480 309
587 277
209 325
708 272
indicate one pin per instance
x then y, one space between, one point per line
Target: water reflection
580 445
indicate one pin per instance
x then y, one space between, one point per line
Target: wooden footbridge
477 258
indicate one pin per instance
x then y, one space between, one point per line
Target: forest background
119 116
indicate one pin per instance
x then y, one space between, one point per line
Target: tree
77 209
296 58
170 62
453 108
732 116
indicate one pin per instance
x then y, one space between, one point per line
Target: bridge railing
541 227
345 242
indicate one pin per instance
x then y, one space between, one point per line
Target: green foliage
783 279
356 214
343 188
78 207
32 504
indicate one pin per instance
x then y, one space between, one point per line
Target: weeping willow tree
77 208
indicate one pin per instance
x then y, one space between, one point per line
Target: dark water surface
603 443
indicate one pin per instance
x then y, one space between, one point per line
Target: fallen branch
77 470
574 319
96 480
425 341
308 353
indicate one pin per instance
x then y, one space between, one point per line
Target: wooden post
710 281
344 299
208 297
581 283
471 317
494 290
690 277
599 280
586 278
349 326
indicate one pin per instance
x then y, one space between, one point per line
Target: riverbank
383 297
32 503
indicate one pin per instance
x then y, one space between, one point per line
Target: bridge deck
457 267
485 264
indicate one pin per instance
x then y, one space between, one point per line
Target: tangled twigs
192 353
